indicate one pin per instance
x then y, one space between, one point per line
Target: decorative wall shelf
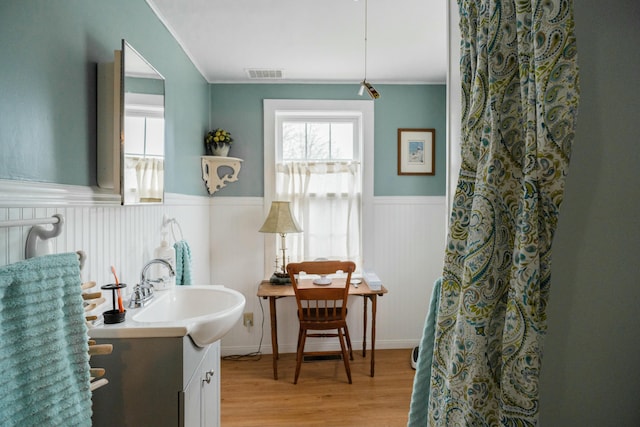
210 166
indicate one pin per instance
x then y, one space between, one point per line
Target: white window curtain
326 200
149 179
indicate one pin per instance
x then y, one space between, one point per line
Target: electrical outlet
247 320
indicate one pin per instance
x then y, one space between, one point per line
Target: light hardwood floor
323 397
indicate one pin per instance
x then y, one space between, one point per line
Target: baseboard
291 348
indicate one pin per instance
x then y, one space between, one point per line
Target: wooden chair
322 308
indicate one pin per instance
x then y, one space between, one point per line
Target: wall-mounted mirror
142 130
131 128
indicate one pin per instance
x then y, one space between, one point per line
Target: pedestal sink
209 311
205 313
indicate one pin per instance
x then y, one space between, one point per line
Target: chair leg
302 336
344 354
299 338
346 334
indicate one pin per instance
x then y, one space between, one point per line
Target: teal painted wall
144 85
238 109
50 51
590 371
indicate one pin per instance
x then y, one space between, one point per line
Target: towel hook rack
37 231
171 221
34 221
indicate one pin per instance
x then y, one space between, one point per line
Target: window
144 122
320 138
144 155
317 165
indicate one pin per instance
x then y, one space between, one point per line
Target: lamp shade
280 220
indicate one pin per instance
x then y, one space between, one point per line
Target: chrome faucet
143 291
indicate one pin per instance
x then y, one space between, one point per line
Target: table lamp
280 220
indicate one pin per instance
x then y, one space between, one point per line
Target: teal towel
44 359
422 380
183 263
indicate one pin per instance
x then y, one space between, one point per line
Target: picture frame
416 151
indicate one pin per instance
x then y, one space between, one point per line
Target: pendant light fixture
365 85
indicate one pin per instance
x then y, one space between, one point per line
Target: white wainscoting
122 236
405 249
408 252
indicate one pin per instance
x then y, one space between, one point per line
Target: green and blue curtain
520 97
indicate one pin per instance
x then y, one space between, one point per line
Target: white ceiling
311 41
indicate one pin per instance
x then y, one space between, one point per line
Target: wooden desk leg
364 330
274 335
374 307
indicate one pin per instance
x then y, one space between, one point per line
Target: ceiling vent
262 74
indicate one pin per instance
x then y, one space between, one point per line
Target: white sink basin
207 312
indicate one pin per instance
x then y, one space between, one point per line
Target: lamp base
280 279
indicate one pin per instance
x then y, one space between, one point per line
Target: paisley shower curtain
520 97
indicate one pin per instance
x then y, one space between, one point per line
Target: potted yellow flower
217 142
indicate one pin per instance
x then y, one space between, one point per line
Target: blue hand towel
44 359
183 263
422 380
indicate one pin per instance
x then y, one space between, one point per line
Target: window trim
274 107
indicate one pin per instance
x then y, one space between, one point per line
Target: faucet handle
146 291
136 297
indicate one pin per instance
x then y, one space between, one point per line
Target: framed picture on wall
416 151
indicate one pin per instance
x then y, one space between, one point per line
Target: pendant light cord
374 94
366 15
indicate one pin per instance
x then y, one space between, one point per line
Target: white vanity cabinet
200 399
158 382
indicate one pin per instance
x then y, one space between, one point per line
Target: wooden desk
275 292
